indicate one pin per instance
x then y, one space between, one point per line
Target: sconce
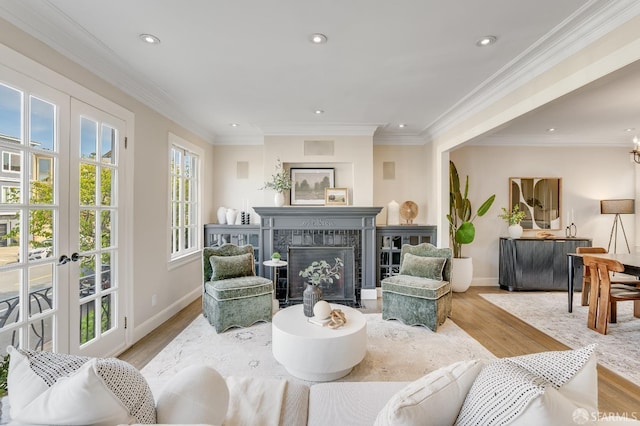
635 154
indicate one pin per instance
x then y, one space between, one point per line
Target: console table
536 264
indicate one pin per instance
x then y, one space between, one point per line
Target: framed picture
308 185
336 196
539 198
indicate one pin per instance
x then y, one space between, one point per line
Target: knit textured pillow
224 267
542 388
58 389
421 266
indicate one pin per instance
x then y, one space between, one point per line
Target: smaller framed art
336 196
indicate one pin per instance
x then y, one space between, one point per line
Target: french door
60 216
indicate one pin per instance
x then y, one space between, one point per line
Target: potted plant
275 256
318 273
513 219
280 181
461 228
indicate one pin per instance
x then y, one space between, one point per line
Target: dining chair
603 297
586 276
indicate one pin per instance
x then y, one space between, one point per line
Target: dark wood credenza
537 264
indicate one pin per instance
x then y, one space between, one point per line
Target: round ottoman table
315 353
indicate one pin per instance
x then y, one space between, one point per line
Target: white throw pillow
434 399
58 389
536 389
197 394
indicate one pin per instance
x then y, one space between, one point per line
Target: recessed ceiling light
319 111
317 38
234 124
551 129
486 41
629 129
402 125
149 38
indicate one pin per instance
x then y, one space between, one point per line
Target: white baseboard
369 294
489 281
155 321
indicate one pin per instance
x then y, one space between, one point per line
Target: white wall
588 175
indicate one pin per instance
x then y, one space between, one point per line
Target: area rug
618 350
395 352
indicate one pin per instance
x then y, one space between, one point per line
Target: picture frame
540 199
308 185
336 196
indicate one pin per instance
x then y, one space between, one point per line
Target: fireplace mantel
275 221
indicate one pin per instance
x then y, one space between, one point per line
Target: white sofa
547 388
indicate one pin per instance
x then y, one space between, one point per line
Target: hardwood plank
500 332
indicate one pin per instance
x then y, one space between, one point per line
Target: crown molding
400 139
595 19
239 140
542 141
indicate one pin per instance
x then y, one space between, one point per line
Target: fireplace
340 288
352 227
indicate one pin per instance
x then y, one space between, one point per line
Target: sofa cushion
434 399
58 389
420 266
237 288
197 394
223 267
542 388
424 288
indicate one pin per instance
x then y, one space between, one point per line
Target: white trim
155 321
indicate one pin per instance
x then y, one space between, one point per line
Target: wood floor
500 332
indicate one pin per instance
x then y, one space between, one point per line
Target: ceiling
416 62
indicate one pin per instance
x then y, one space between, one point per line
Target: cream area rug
395 352
618 350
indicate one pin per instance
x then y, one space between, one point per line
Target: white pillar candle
393 213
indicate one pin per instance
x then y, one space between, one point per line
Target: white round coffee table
319 354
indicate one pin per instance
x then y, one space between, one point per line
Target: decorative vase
515 231
231 216
222 215
461 274
279 199
310 296
393 213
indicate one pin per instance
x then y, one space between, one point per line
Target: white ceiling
385 63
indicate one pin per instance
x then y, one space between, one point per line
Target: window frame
181 252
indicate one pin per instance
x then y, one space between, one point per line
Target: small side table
275 264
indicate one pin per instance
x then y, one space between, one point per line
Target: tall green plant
461 228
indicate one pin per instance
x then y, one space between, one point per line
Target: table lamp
617 207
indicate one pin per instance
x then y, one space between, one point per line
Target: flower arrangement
280 180
322 272
513 217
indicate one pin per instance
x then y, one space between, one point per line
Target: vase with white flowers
513 219
280 182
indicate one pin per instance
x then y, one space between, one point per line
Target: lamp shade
627 206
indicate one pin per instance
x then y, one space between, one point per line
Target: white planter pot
222 215
231 216
279 199
515 231
461 274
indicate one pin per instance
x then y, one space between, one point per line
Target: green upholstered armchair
233 296
420 294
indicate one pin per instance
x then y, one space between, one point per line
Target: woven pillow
224 267
434 399
58 389
538 389
421 266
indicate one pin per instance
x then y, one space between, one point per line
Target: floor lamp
617 207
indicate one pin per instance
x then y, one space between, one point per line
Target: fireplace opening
338 289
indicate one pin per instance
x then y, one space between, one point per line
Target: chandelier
636 150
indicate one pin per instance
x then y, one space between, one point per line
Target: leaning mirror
539 198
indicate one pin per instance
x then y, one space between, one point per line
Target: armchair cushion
224 267
238 288
425 267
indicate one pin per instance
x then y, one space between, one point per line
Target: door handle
64 259
75 257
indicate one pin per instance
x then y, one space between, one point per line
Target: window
184 187
10 162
